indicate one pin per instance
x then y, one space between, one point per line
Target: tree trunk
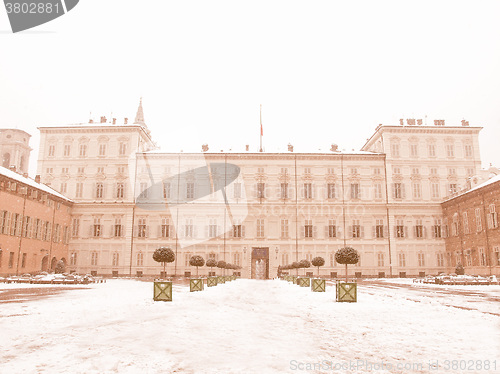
318 271
197 271
164 270
346 273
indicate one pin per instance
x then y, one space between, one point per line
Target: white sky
325 71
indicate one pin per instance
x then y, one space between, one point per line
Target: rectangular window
379 228
52 150
479 225
354 171
330 171
307 171
72 259
453 188
165 227
237 190
190 190
492 217
356 229
437 229
307 191
308 229
94 257
395 150
144 190
331 190
260 228
4 222
116 257
417 191
496 256
166 190
440 259
23 260
376 171
332 228
212 228
75 228
468 150
284 190
140 259
396 170
260 190
236 259
355 192
415 171
397 190
450 150
188 231
122 149
97 228
435 190
118 228
120 189
79 190
81 170
99 190
83 150
64 188
421 259
452 171
400 228
432 150
67 150
470 172
380 258
482 257
419 229
142 228
284 228
11 259
36 229
237 231
434 171
413 150
102 149
284 259
402 260
465 222
454 225
26 227
377 191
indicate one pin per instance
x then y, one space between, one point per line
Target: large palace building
258 210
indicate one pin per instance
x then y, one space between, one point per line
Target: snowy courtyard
249 326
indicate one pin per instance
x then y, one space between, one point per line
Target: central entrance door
260 263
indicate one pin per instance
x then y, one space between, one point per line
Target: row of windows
491 215
188 230
82 150
81 170
24 259
15 224
415 171
473 257
414 150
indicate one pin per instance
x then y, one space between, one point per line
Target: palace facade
258 210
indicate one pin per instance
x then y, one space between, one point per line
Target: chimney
103 119
12 168
334 148
126 120
25 175
114 121
419 122
402 122
465 123
247 148
439 122
37 178
91 120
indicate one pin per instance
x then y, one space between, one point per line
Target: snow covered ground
251 326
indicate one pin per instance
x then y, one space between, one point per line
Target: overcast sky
324 71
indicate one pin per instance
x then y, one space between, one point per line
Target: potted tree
459 270
211 280
162 290
221 265
304 281
196 284
318 284
347 291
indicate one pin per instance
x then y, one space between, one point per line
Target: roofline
5 128
471 191
379 127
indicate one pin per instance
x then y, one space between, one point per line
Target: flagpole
261 132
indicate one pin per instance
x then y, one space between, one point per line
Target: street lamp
277 250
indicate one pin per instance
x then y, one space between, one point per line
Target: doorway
260 263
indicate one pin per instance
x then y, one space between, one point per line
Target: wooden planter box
162 291
293 279
221 279
347 292
304 282
318 285
195 285
211 281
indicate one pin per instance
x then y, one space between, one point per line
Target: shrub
318 261
196 261
60 267
347 255
459 270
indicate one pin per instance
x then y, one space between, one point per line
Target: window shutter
414 231
279 192
112 231
424 232
147 232
327 232
406 232
339 231
170 231
362 231
242 231
395 228
90 230
315 232
122 231
231 232
207 233
195 231
403 191
302 231
349 234
386 231
374 232
394 190
313 191
219 230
